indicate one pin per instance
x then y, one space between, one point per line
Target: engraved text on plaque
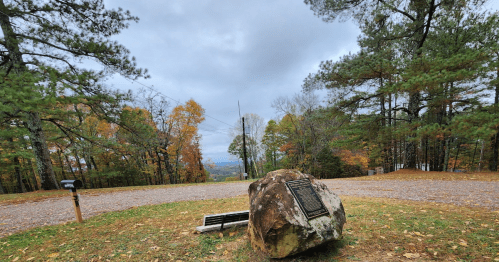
308 200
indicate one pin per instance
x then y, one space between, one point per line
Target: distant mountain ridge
231 163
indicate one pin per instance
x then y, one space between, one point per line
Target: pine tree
43 43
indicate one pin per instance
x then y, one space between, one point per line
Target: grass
45 194
407 174
377 230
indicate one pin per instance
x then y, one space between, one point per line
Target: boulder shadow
325 252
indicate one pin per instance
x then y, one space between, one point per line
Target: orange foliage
354 158
193 171
183 122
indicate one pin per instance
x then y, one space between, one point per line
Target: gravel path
14 218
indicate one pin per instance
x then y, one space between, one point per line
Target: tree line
59 121
423 90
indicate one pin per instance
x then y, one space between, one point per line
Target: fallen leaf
389 254
53 255
231 234
463 243
226 252
15 259
454 247
411 255
221 235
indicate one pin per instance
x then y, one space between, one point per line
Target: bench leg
222 225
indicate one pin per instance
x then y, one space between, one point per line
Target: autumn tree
183 122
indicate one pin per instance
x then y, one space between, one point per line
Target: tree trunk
80 169
96 170
34 125
395 142
2 190
447 154
19 177
410 148
481 157
33 174
160 170
457 155
70 167
62 165
42 154
493 162
89 168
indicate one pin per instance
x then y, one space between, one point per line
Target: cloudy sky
220 52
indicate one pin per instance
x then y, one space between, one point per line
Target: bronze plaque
308 200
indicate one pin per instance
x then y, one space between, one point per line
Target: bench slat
225 218
228 218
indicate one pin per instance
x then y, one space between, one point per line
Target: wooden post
76 204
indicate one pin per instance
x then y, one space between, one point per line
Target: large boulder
279 227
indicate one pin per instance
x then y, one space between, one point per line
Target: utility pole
244 150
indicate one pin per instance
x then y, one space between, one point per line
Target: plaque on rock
308 200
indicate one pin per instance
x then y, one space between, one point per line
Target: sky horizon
221 52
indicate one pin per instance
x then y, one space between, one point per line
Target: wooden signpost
72 185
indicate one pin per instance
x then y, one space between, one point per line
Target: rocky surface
278 226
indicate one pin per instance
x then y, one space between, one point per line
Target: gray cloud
219 52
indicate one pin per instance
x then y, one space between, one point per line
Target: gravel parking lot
17 217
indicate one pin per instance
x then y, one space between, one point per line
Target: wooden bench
224 220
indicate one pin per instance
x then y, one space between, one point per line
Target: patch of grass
376 230
45 194
408 174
